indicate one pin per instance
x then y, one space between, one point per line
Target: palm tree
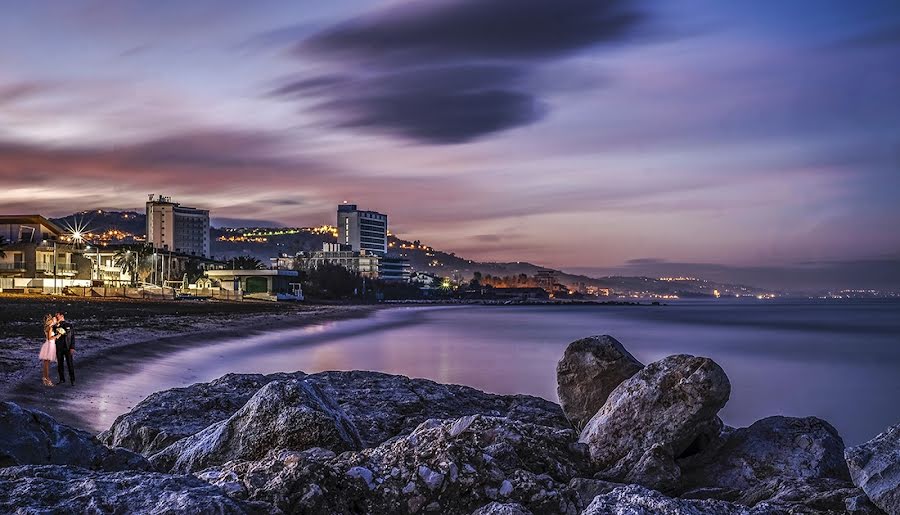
246 263
135 261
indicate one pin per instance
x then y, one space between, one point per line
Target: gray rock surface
294 414
590 369
663 412
29 437
587 488
58 489
771 448
496 508
381 406
493 459
637 500
809 496
170 415
875 467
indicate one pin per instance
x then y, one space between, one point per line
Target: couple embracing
59 346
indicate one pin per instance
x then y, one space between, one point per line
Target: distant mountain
99 221
266 242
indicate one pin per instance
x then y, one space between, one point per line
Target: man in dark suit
65 347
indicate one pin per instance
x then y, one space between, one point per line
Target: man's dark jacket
65 342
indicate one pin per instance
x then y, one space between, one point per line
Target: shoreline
118 350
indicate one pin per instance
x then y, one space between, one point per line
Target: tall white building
362 230
173 227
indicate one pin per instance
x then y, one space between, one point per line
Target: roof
32 219
266 272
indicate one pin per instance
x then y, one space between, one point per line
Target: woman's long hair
48 324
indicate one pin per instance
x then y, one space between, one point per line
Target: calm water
836 360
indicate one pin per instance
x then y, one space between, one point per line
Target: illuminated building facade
173 227
362 230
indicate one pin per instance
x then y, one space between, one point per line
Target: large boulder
293 414
165 417
875 467
34 438
381 406
588 372
665 411
59 489
771 448
451 466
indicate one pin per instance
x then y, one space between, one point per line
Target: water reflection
794 359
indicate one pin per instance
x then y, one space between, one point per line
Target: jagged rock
637 500
663 412
60 489
170 415
875 467
381 406
292 414
587 488
34 438
429 469
496 508
823 496
771 448
588 372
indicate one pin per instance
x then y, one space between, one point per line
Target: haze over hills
266 242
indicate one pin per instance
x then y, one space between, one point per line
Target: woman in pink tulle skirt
48 349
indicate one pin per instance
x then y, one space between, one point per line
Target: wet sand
115 339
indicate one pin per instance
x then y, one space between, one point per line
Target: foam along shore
368 442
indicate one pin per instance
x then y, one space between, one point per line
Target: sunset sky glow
580 133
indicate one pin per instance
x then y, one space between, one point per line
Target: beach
116 337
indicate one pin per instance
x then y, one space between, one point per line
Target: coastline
114 346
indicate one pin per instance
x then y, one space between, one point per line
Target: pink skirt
48 351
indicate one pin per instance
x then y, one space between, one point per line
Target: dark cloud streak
450 72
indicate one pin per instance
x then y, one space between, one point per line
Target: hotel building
362 230
176 228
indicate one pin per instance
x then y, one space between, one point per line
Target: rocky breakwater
628 439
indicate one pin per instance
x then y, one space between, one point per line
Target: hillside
264 243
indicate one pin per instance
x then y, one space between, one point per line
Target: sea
836 359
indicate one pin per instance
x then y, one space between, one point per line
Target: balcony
16 265
61 268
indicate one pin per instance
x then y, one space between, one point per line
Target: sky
600 136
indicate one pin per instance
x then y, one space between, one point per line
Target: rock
62 489
808 496
530 463
34 438
587 489
381 406
771 448
293 414
588 372
637 500
496 508
875 467
663 412
170 415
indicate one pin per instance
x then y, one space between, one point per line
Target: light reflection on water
838 361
